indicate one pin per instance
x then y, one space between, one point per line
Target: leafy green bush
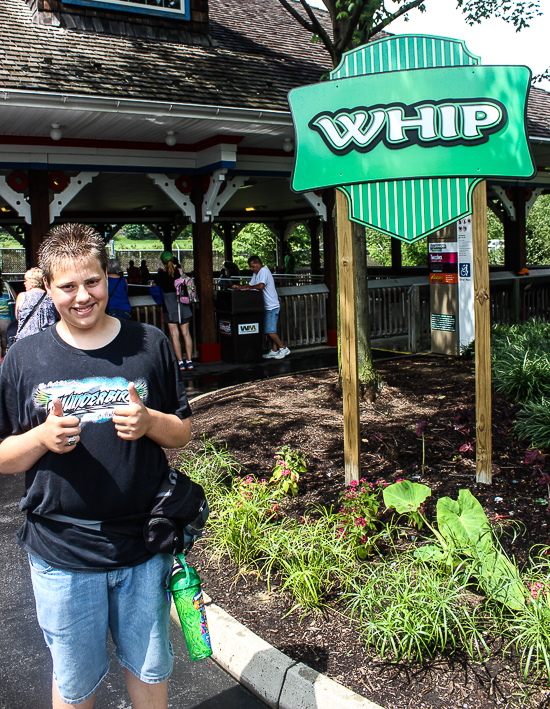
533 423
410 610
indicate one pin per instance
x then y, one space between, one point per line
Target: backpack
185 289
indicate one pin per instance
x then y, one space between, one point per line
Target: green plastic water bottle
186 590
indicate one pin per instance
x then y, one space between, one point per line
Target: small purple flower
420 427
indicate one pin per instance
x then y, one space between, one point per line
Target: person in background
144 274
5 316
263 280
290 261
229 269
45 314
177 315
133 273
118 305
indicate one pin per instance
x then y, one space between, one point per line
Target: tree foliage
355 22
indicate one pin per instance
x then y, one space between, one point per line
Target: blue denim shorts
270 320
76 610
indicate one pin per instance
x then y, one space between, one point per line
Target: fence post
414 318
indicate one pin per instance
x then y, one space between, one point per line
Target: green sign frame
411 123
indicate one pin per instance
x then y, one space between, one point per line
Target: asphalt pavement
25 664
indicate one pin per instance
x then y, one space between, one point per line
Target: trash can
240 317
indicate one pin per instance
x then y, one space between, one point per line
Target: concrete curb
268 673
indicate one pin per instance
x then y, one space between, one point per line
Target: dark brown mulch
305 412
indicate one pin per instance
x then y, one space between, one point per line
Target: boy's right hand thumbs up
60 433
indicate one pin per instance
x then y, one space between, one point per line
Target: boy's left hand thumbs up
133 420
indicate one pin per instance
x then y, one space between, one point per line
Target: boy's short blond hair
70 242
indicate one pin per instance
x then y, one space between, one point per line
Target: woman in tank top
44 316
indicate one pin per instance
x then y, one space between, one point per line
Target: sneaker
285 351
181 365
280 354
188 364
270 354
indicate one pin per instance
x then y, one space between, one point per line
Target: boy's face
80 293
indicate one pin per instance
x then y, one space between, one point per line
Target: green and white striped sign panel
408 209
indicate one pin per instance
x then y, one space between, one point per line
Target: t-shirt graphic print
93 399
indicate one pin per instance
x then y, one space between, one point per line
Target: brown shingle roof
538 113
261 54
251 69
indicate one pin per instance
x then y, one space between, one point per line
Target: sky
495 41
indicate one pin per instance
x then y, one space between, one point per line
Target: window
161 8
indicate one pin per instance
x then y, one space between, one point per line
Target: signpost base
348 329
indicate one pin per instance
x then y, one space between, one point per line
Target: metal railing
303 316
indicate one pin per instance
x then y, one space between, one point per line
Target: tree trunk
369 379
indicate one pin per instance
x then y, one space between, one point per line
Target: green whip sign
407 126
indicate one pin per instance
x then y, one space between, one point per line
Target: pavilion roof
538 113
261 54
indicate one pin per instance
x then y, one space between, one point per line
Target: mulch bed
305 412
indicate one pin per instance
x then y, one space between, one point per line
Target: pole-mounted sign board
407 126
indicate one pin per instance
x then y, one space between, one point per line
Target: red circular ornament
184 183
58 181
18 180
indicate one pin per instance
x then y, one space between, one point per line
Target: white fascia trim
37 99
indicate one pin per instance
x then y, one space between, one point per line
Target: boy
85 410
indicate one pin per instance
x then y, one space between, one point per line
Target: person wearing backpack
177 312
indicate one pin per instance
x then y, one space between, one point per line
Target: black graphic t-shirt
104 477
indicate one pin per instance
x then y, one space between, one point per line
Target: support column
166 236
207 345
329 271
396 255
280 244
313 228
39 199
348 320
482 309
515 233
227 242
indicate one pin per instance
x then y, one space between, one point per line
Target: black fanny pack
175 522
178 516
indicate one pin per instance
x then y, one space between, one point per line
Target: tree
254 239
355 22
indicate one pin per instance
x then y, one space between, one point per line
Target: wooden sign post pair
406 129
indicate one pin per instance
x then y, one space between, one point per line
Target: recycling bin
240 317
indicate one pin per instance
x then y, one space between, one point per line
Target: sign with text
406 127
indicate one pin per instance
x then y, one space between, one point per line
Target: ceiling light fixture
171 139
56 132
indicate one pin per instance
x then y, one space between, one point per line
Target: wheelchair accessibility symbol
464 270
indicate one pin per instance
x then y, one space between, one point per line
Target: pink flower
354 483
400 480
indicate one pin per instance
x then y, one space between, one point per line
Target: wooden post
313 227
396 256
208 347
329 270
348 336
40 213
482 309
227 242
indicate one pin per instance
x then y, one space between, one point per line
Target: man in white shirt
263 280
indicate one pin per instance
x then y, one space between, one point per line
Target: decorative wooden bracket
15 200
213 201
168 186
317 203
62 199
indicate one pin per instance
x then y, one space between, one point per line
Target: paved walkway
25 665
